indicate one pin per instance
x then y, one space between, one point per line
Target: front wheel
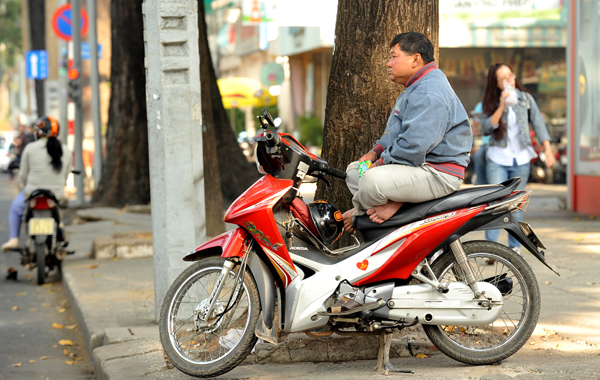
213 348
494 263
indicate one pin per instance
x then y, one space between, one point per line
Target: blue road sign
86 53
36 64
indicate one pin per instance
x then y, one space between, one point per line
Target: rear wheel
41 262
510 273
216 348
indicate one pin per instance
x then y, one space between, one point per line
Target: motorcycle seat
412 212
43 192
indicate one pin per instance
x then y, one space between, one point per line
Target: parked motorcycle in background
558 172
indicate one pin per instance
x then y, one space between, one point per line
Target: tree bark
37 27
212 179
360 95
125 174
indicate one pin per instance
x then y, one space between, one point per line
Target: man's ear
417 59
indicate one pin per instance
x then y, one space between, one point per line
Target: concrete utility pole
174 136
95 84
76 26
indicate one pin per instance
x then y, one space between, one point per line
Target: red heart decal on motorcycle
363 265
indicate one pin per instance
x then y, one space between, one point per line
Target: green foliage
311 130
10 32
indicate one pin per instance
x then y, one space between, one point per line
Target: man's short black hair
412 43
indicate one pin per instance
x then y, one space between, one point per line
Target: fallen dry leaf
57 326
66 352
96 274
421 356
558 346
15 308
580 238
532 343
71 327
540 349
17 364
44 357
62 310
32 361
65 342
548 282
54 345
69 362
46 305
19 294
92 266
33 309
77 359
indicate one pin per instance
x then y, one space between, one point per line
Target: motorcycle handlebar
336 173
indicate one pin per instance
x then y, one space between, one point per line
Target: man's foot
12 243
380 214
347 218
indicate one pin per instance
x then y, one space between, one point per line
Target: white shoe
518 250
10 244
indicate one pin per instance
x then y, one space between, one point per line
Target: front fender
229 244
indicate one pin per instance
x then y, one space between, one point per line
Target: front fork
204 310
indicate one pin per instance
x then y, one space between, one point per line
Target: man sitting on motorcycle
423 153
45 164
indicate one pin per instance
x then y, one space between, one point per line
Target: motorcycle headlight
542 156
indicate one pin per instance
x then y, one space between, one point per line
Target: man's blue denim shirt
428 124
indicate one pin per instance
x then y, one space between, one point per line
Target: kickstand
383 359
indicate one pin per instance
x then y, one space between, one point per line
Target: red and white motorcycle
478 301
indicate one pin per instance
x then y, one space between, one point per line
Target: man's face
401 66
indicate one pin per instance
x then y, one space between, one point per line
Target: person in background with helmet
45 164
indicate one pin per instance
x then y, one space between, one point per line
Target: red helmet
47 126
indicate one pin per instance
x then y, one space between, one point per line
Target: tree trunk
37 27
125 174
212 180
360 95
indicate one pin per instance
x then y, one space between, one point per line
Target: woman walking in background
508 110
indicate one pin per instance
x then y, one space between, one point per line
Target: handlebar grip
336 173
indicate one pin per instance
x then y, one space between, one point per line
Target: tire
218 349
505 336
41 262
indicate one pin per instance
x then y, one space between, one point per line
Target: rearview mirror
268 117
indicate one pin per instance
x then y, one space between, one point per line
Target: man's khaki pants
400 183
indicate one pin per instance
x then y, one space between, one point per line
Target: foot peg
354 308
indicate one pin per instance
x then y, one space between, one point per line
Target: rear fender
528 238
229 244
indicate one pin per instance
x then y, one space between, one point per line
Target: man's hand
368 157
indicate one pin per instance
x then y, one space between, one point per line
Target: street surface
30 347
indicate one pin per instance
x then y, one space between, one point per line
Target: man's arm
424 123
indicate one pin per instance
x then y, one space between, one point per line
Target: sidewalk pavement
109 282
